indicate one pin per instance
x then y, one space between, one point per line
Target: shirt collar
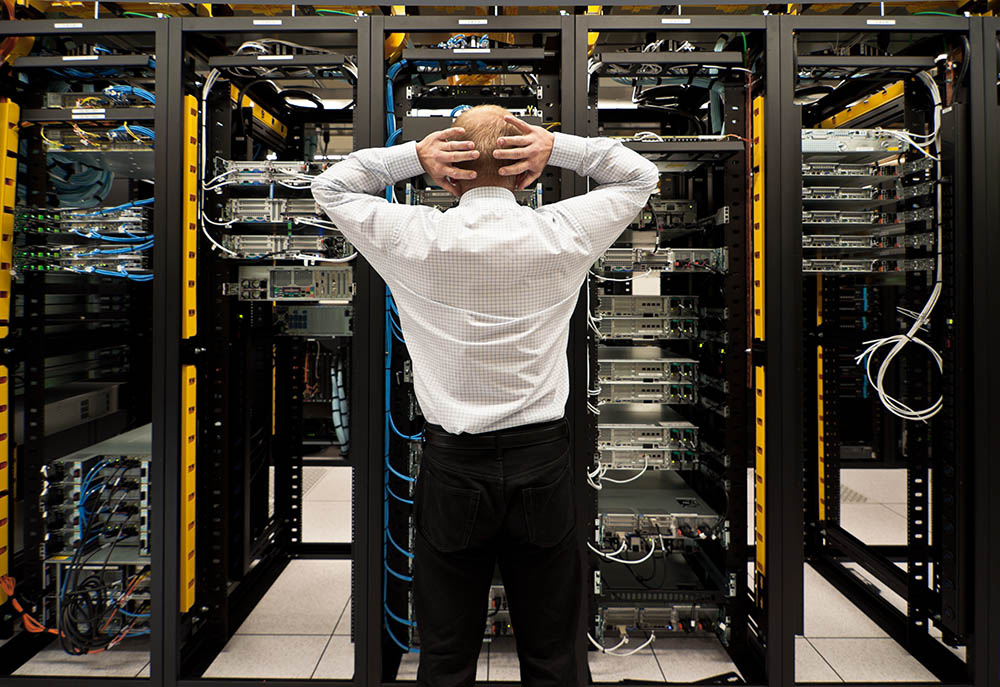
483 194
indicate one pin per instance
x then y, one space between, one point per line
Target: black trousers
498 498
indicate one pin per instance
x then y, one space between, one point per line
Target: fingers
517 168
457 145
459 156
521 125
527 180
447 134
458 173
513 153
511 141
450 187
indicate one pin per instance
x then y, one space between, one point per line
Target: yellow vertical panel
820 444
758 217
189 302
189 441
4 429
4 539
9 115
760 437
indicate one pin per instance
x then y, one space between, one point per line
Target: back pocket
549 510
445 515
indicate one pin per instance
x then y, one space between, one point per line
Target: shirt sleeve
369 222
626 179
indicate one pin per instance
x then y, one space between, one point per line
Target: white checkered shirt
486 290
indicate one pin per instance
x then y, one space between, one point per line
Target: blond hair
483 125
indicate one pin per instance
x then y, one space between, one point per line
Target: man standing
485 293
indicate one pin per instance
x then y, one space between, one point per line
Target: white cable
630 479
611 556
307 259
603 650
899 341
621 549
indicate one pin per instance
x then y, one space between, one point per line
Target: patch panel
251 245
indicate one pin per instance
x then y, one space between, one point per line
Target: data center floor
301 629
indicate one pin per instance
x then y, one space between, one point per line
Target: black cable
300 93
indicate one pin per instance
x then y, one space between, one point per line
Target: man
485 292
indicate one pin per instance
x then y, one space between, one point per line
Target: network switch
642 425
646 363
443 200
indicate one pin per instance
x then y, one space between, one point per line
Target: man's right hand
532 149
438 153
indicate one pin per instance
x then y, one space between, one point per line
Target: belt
525 435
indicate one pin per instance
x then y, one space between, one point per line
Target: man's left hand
439 152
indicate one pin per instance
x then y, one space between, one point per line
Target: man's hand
439 152
532 148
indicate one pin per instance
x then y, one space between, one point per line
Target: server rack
59 322
262 338
705 202
985 213
939 471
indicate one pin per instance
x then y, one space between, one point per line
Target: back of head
483 125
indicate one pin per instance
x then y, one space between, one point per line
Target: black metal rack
780 594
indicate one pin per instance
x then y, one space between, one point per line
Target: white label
274 57
478 22
79 58
865 149
267 22
67 25
881 22
675 20
88 110
467 50
95 115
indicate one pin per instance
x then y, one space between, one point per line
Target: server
80 223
